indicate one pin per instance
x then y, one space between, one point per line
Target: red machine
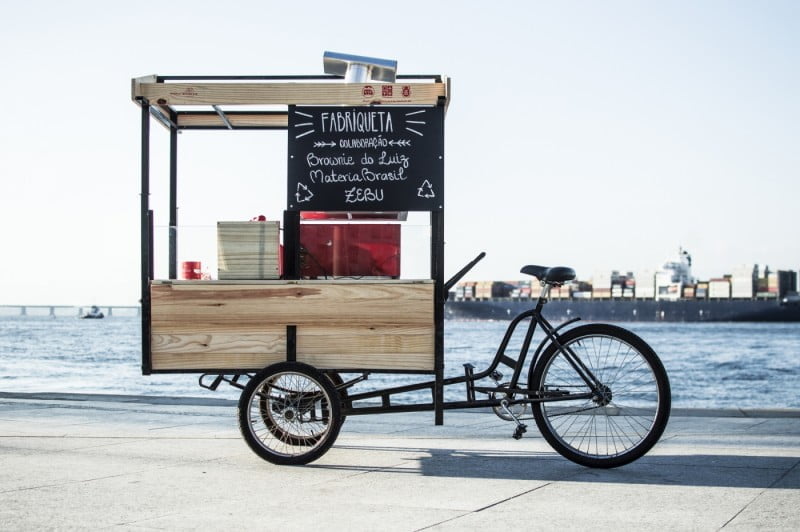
348 249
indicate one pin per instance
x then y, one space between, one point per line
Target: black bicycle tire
659 422
318 445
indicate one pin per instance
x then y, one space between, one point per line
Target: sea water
710 365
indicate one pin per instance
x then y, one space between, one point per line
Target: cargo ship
668 294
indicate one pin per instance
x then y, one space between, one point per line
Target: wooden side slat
376 360
246 306
287 93
206 361
221 342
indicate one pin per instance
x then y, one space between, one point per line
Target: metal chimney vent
358 69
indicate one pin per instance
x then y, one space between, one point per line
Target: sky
598 135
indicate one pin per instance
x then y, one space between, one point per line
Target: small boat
93 314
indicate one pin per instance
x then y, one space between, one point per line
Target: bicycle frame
505 391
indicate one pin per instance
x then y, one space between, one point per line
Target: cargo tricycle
301 312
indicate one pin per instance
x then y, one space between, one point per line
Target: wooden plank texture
288 93
247 250
206 325
189 120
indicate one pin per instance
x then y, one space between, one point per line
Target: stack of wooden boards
248 250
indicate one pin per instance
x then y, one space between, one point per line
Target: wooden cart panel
198 326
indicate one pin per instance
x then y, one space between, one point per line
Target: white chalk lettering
370 176
336 160
318 176
356 122
395 158
360 195
371 142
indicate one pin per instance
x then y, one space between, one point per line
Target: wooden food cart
297 328
355 150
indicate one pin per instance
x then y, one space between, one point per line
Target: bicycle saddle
556 274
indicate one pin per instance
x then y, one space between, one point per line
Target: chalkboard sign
376 158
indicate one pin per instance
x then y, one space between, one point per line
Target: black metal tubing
291 343
173 201
147 358
291 245
146 238
393 391
439 297
454 405
461 273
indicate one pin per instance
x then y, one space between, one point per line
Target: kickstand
521 427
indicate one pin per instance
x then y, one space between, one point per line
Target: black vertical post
291 343
173 201
291 244
146 236
437 273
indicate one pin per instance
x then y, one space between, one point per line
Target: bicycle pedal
519 431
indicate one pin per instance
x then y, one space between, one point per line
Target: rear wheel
616 420
289 413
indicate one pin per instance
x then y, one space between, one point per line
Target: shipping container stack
525 290
744 281
645 284
666 287
502 289
601 284
619 284
719 288
483 290
466 291
629 289
701 290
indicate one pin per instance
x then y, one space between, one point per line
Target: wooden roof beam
289 93
238 120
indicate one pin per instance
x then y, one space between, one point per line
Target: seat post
545 293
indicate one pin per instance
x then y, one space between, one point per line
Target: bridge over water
68 310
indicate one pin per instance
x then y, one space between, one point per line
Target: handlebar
461 273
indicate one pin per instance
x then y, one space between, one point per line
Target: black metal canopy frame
262 103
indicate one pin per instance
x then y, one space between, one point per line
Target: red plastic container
191 270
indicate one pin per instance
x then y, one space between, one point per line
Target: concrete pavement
145 463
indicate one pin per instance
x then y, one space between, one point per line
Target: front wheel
289 413
612 421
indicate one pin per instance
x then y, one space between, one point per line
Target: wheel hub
602 396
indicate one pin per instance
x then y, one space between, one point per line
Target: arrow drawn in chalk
426 190
303 193
322 144
403 142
